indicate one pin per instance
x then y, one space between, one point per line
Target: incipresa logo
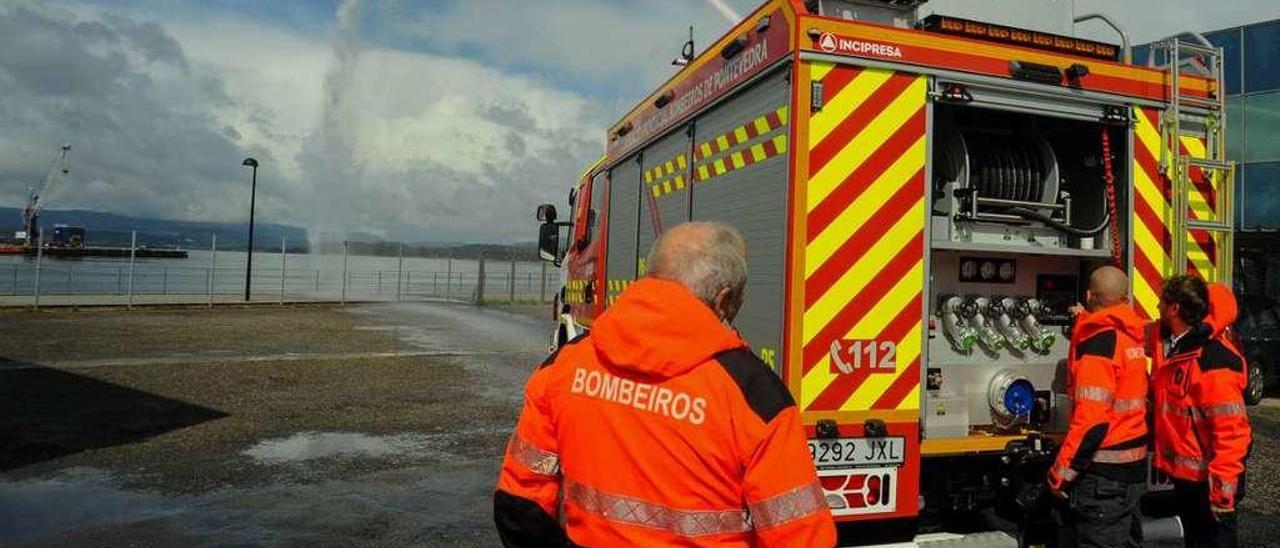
831 43
828 42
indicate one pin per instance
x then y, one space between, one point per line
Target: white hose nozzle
962 335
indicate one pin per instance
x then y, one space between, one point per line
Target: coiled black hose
1033 215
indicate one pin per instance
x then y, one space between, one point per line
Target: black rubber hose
1047 220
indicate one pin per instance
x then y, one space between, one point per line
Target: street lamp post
253 193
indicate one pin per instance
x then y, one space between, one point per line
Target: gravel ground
1259 513
376 425
58 335
313 425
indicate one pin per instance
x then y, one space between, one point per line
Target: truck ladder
1214 166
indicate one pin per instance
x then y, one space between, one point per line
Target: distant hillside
522 251
110 230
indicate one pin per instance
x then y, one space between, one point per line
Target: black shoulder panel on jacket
1217 356
1102 345
762 388
552 358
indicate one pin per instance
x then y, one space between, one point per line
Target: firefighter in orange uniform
1101 468
660 427
1202 432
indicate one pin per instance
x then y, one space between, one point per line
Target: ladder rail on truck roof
922 205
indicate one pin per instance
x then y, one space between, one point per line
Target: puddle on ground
409 505
380 327
464 328
308 446
197 354
305 446
74 498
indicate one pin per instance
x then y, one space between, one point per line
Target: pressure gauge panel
988 270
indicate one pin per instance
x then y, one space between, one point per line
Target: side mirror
546 213
549 241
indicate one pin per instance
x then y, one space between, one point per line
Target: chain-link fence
214 277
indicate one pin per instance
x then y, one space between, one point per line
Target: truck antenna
686 52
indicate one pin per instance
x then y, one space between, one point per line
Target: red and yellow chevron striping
754 154
665 169
668 186
575 292
864 242
663 181
614 289
759 126
1153 215
1202 202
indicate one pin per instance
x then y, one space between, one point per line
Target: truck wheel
1257 380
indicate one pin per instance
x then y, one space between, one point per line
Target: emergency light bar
815 6
904 4
1009 35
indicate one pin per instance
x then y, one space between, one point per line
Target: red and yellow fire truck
923 196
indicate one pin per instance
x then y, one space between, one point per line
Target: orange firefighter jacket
1202 431
1108 386
659 428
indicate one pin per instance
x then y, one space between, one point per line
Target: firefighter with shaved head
1101 467
660 427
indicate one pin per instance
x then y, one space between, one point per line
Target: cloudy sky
404 119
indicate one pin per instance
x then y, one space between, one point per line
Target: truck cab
577 302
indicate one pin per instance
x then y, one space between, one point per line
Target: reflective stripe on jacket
1108 385
1202 431
659 428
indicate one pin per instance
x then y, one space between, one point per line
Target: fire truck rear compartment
1019 218
993 167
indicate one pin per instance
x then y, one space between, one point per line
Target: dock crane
58 170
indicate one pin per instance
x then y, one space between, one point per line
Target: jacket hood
1222 309
1222 313
1120 317
659 328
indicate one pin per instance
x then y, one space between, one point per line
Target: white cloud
273 76
441 146
507 107
122 92
620 50
454 146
